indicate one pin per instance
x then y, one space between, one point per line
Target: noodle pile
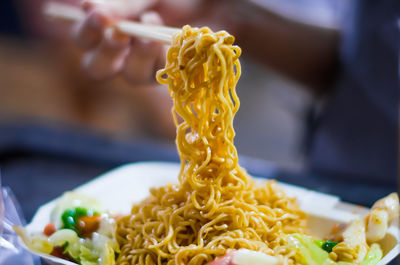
216 206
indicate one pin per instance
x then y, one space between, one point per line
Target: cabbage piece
40 243
36 242
104 247
96 251
87 256
107 225
69 239
108 255
71 200
99 250
312 254
373 256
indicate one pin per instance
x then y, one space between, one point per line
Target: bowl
118 189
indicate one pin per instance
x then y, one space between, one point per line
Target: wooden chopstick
152 32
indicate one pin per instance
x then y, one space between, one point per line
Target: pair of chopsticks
67 12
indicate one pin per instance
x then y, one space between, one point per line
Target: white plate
121 187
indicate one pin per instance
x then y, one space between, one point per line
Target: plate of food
112 195
207 209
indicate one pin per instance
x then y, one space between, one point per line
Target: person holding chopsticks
353 69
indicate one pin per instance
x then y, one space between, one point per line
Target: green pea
80 212
68 219
329 245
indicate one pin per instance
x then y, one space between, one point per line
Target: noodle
216 206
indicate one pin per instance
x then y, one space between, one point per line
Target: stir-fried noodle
216 206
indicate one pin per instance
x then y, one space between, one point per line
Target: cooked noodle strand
216 206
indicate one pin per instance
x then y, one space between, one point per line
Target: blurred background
60 126
41 82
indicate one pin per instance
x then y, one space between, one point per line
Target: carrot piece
87 225
49 229
59 253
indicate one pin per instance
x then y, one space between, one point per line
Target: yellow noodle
344 252
216 206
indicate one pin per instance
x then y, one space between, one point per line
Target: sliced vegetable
312 253
377 222
59 253
87 225
355 239
63 236
80 220
373 256
88 256
41 244
38 242
68 219
108 255
73 200
77 232
319 242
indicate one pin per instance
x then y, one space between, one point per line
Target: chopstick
71 13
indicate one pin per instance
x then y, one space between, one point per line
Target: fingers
108 57
89 33
141 61
110 52
106 48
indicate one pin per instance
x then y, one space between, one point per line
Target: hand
108 52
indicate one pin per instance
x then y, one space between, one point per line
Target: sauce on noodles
216 206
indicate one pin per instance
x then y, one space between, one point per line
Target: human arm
305 53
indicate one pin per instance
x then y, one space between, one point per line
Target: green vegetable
72 200
70 217
67 239
373 256
312 252
80 211
65 245
101 249
328 246
319 243
88 256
